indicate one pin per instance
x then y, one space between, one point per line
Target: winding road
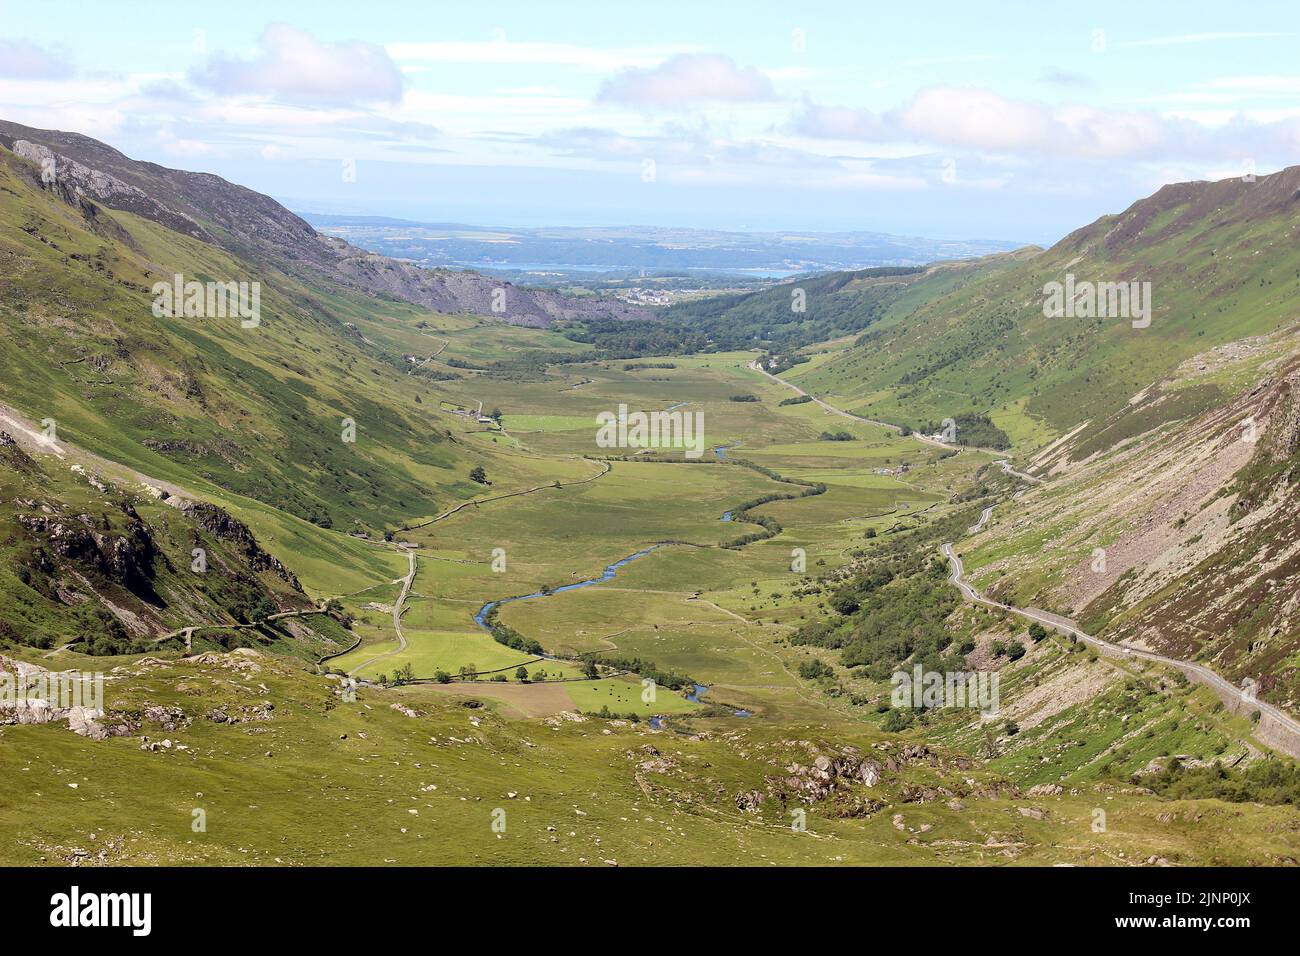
399 607
757 366
1276 729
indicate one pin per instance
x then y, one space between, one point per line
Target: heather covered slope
1223 263
1172 528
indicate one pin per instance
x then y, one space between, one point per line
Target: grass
327 780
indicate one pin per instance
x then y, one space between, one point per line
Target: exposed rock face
225 527
829 779
11 454
1045 790
73 180
840 778
126 558
246 222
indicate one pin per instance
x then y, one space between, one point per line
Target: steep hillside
257 228
1223 264
97 562
1170 527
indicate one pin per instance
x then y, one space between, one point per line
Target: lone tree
1037 632
521 675
477 473
589 668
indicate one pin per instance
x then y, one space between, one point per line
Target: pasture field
689 606
421 773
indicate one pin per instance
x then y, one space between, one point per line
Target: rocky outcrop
226 527
125 557
72 181
12 454
25 699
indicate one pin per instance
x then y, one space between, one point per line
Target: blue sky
1015 121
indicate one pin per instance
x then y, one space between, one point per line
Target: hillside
258 229
319 582
1223 265
1171 528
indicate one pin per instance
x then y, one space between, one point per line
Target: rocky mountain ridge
249 224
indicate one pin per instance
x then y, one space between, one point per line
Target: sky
1016 121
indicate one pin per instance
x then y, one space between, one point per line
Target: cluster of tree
796 400
771 527
507 635
793 314
403 675
778 363
102 633
815 669
606 714
895 607
835 436
744 398
643 668
626 339
1264 781
1012 649
973 429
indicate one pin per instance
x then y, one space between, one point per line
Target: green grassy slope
259 413
1222 263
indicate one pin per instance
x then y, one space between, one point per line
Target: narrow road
399 607
978 526
1006 467
431 357
757 366
187 632
1275 729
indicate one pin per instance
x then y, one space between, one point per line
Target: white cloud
687 79
831 122
978 119
27 61
503 53
292 65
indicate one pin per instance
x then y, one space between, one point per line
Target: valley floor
520 757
